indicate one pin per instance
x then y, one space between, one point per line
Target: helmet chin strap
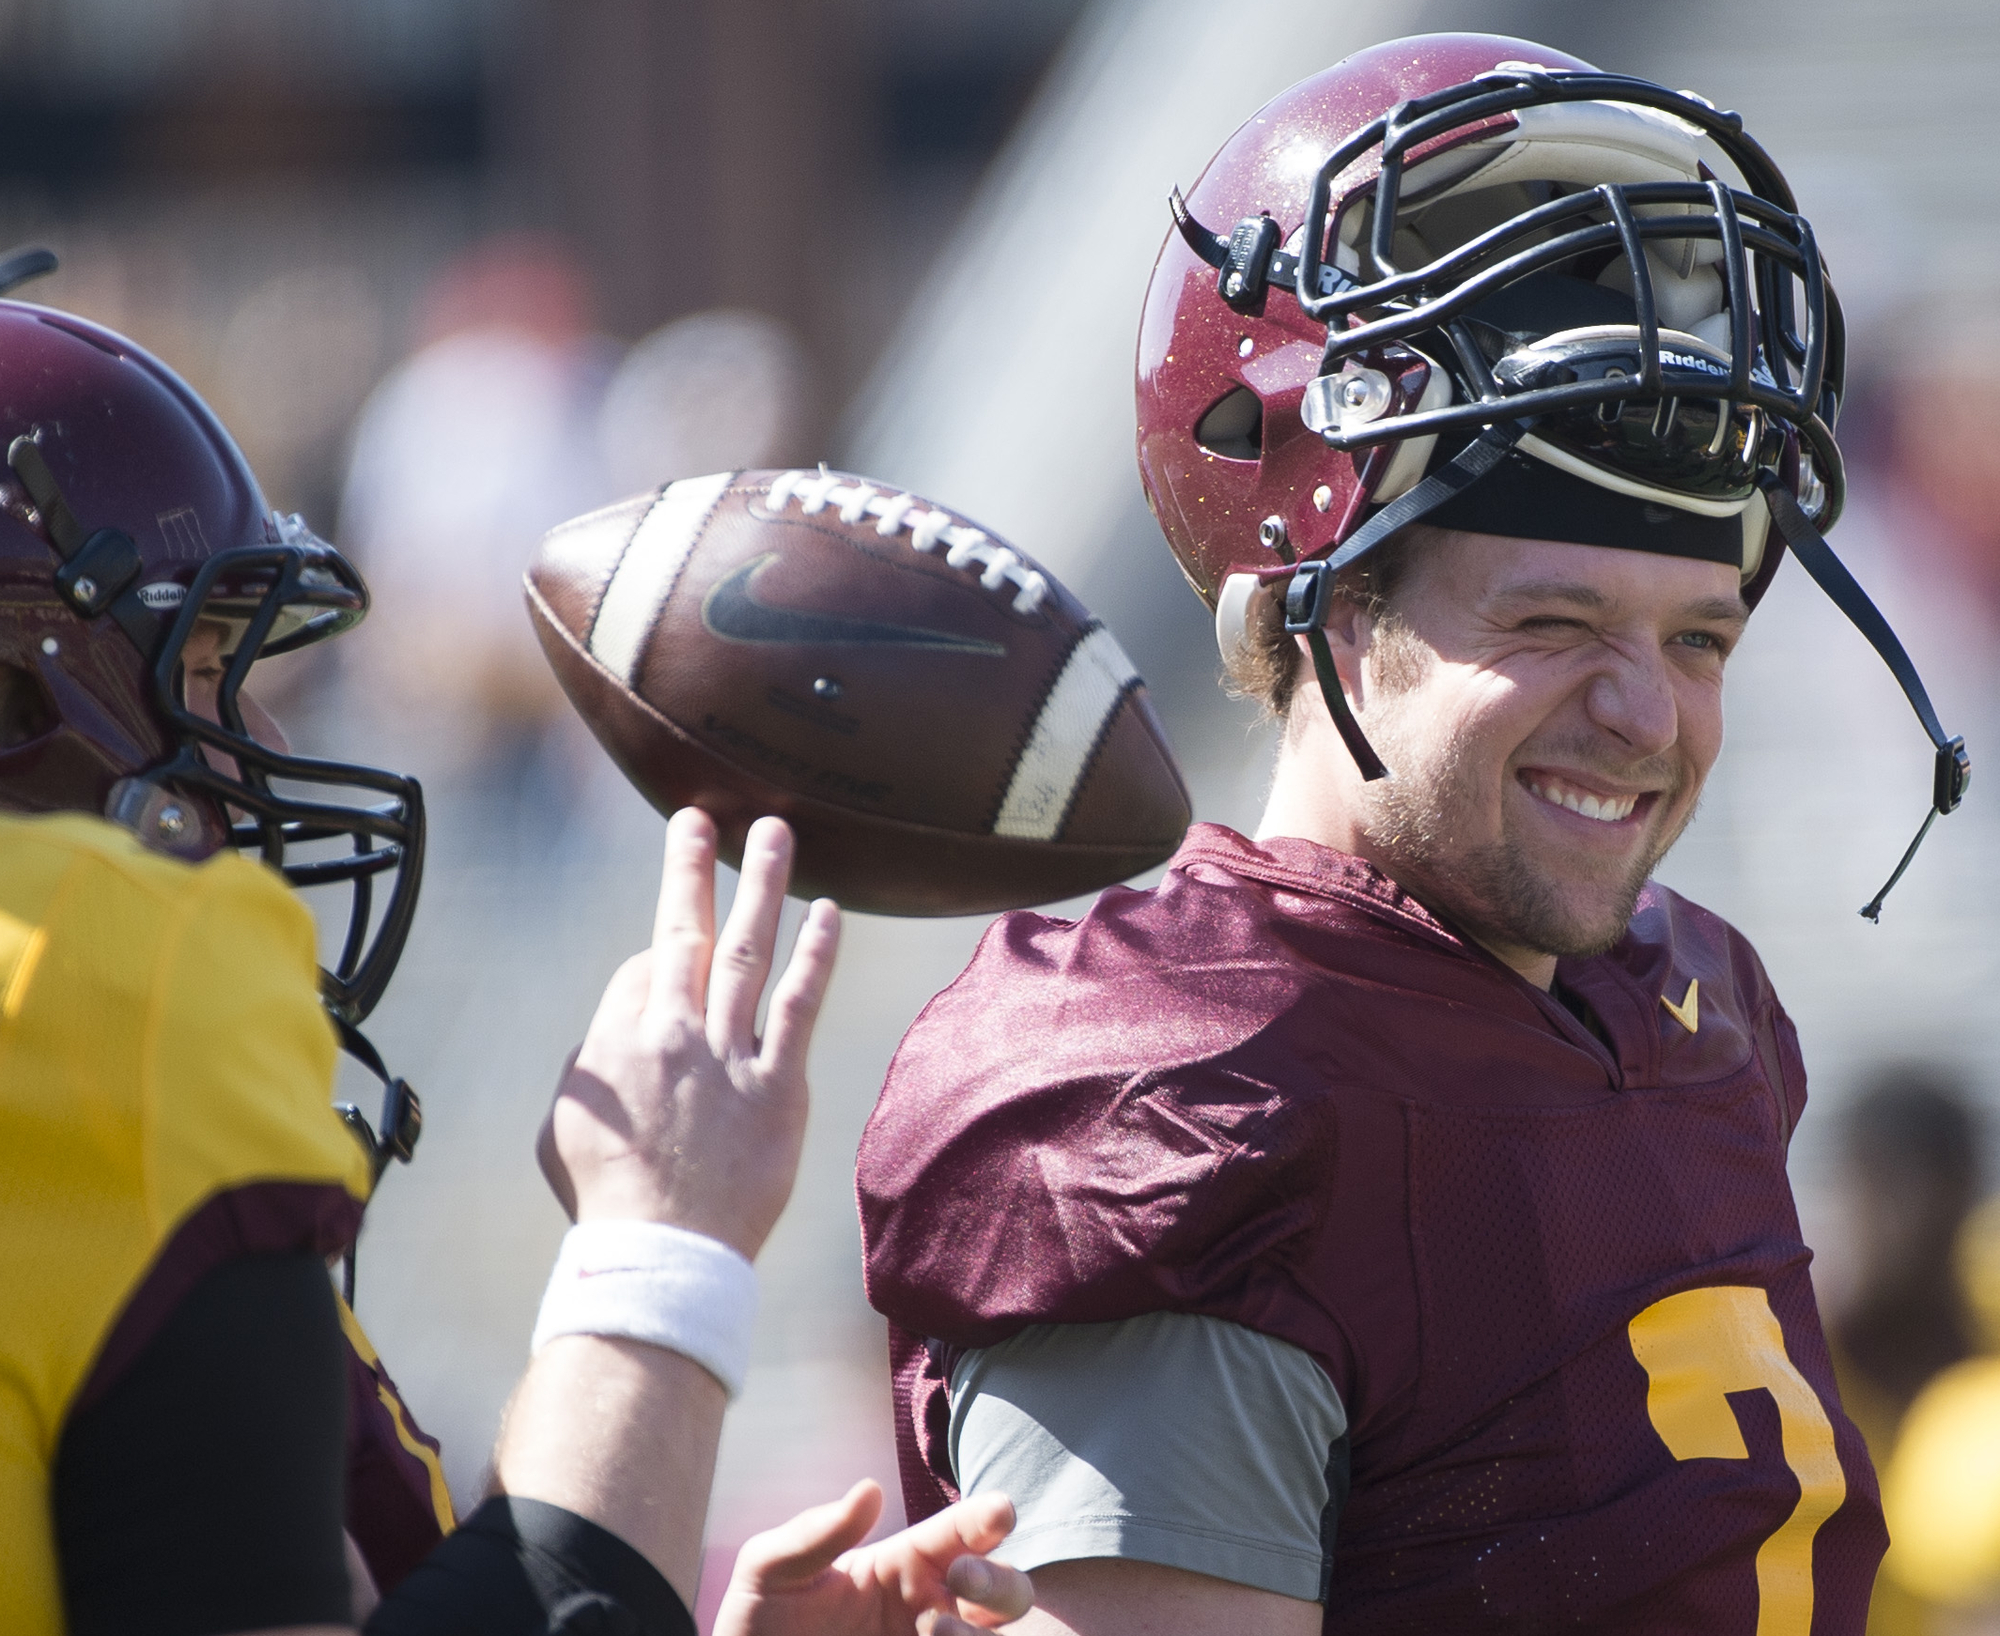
1952 771
402 1122
1336 703
1309 596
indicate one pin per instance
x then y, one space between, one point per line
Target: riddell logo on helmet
1711 366
162 595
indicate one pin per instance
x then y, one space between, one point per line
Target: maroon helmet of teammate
1471 281
131 527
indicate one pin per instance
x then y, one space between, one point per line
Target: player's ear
1350 629
1347 626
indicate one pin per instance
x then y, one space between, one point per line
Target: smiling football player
1382 1223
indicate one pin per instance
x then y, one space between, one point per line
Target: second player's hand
807 1577
673 1109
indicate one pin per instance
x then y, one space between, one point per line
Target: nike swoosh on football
732 611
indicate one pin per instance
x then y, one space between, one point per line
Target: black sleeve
525 1568
202 1493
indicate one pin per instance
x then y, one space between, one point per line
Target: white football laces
965 546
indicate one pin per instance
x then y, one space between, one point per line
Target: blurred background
455 270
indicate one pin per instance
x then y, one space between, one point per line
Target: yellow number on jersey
1702 1344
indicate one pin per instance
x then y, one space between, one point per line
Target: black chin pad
1528 499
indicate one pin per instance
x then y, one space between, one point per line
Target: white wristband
666 1286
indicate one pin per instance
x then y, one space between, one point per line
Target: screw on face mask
1347 400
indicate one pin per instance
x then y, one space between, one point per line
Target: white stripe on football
946 728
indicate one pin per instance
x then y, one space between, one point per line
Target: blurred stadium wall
953 206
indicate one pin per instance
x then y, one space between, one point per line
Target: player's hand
804 1577
672 1109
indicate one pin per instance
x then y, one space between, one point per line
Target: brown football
947 730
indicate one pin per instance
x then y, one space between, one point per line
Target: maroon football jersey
1555 1272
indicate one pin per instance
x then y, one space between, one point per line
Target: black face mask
318 823
299 815
1532 346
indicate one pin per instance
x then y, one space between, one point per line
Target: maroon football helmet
1472 281
128 523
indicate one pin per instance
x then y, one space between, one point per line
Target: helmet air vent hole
25 711
1233 427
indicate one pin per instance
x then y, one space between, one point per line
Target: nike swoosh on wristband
732 611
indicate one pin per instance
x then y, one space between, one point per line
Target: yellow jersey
165 1085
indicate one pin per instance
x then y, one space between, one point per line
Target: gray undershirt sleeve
1186 1441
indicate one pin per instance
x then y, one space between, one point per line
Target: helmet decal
181 529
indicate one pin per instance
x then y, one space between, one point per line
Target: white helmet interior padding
1453 196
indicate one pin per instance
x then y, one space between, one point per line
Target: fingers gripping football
673 1109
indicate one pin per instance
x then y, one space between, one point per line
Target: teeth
1611 809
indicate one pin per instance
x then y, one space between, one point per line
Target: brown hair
1267 664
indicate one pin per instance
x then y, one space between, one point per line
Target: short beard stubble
1491 890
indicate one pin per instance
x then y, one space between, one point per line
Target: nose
1633 699
261 725
258 722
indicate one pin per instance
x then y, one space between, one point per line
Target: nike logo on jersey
732 611
1688 1012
